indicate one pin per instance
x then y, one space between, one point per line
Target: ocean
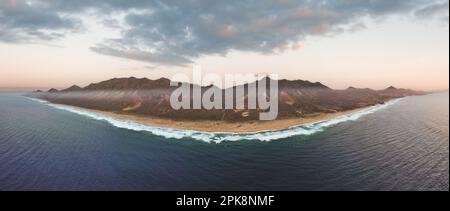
401 145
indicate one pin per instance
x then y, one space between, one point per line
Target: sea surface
402 145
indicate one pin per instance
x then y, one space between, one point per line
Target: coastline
221 126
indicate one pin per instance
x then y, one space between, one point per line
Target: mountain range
142 96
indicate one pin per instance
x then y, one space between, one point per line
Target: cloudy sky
364 43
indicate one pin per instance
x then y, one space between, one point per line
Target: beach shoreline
220 126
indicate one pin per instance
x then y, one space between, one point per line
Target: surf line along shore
261 94
212 125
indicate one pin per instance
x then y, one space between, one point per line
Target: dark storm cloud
175 32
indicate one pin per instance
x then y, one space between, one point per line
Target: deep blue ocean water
404 146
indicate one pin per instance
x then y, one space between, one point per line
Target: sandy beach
221 126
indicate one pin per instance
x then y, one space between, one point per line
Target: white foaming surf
212 137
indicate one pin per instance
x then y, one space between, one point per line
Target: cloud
431 10
174 32
25 21
141 55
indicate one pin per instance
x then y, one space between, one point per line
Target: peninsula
148 102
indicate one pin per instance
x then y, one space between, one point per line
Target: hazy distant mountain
297 98
73 88
53 90
391 88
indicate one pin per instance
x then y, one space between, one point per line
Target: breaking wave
171 133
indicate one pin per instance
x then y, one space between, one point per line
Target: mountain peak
301 84
391 88
53 90
73 88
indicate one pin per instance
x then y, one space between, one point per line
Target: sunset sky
361 43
